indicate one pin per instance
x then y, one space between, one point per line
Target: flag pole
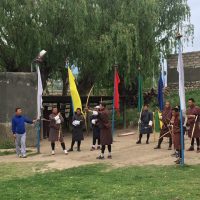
39 123
140 106
37 60
113 107
179 36
182 138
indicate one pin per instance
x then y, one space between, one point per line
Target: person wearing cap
55 130
77 132
146 123
165 131
193 113
175 122
95 128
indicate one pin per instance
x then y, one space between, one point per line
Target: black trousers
96 139
104 147
53 145
140 136
78 144
197 140
161 140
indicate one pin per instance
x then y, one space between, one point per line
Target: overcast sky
195 20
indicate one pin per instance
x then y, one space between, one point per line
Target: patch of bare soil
125 152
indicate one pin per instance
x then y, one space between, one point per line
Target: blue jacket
18 124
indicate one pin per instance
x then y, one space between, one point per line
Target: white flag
180 69
39 94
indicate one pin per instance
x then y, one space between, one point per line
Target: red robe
176 133
105 128
166 116
194 110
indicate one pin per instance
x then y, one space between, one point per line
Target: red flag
116 92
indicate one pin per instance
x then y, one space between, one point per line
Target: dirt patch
125 153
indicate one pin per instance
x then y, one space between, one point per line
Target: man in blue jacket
19 132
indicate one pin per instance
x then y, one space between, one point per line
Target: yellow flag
160 117
74 92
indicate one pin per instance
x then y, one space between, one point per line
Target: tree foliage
93 34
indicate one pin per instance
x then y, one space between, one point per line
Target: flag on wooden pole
157 122
115 98
180 69
160 93
39 93
116 92
76 100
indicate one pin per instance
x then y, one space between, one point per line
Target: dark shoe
138 142
178 161
109 157
198 150
92 149
191 148
70 150
174 154
100 157
78 149
98 148
169 148
157 147
147 142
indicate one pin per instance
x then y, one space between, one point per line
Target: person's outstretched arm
27 120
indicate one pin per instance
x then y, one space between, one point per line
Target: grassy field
19 181
12 151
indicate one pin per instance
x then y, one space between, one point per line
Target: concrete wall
17 90
191 62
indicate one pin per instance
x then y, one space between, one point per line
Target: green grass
7 145
5 153
97 182
17 170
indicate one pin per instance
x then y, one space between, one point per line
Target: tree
93 34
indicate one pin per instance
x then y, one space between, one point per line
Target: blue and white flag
160 93
180 69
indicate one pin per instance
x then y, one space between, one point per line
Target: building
191 62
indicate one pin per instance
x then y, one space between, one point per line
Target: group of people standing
101 126
171 126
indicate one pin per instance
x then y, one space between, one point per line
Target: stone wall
191 62
17 90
